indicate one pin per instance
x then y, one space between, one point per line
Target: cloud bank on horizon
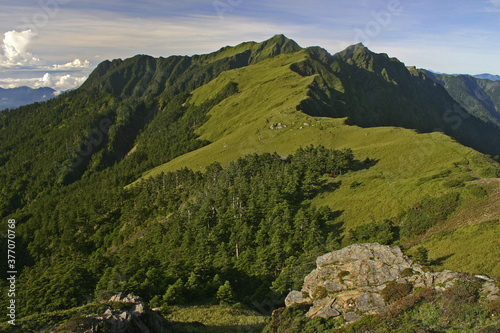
17 59
57 43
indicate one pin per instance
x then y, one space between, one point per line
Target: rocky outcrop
131 315
349 282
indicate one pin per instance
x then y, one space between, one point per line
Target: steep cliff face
361 278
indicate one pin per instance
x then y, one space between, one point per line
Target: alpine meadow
264 187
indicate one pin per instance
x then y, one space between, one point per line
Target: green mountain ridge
379 91
145 75
480 97
202 139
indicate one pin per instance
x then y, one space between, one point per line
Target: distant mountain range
479 96
484 76
15 97
487 77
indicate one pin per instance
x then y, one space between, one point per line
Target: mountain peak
359 46
134 75
355 51
278 44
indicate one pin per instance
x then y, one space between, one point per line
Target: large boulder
349 282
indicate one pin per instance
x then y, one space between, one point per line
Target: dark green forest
185 231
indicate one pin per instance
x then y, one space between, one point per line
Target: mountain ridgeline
479 96
93 127
370 89
375 90
221 177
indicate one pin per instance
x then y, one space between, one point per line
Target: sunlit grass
408 166
216 318
474 248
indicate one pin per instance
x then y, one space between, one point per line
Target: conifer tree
225 294
421 255
174 293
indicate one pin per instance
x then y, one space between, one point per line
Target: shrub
476 191
319 325
372 232
174 293
441 207
367 323
495 328
395 291
75 324
462 292
407 272
421 256
320 292
225 294
433 210
343 274
408 302
415 223
457 300
453 183
156 301
355 184
494 308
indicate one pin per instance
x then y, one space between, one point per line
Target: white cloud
59 82
46 81
15 46
15 53
67 82
56 81
17 59
77 63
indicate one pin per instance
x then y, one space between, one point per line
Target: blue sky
57 43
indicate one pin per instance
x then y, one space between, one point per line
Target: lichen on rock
349 282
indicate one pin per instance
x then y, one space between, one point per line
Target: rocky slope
127 314
354 280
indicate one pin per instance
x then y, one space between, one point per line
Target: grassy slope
215 318
474 248
409 165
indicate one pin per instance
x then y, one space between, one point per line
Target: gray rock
333 286
295 297
352 317
125 299
327 312
484 277
138 309
369 302
349 281
129 319
321 305
107 314
490 290
124 316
